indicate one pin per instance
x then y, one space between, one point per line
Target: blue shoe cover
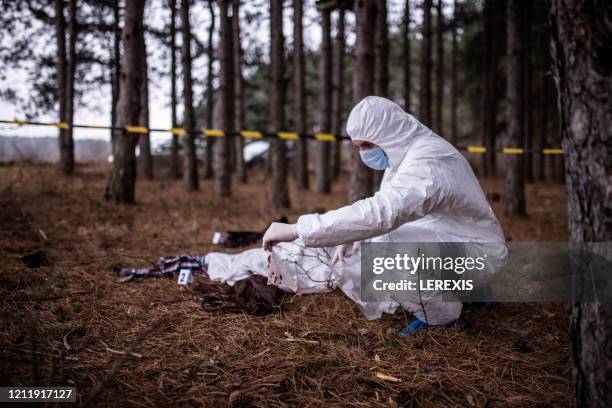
416 326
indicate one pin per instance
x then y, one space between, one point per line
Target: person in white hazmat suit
428 193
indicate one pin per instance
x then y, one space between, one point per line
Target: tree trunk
581 39
190 171
68 164
514 199
454 131
116 70
407 58
175 165
60 33
439 69
144 144
541 171
299 99
222 159
363 79
239 93
338 93
426 65
527 94
122 181
488 69
323 184
280 192
210 102
381 50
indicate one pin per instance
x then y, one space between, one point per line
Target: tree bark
299 99
280 192
175 165
190 171
363 79
116 70
407 58
581 45
487 87
145 159
514 199
381 50
121 185
60 33
338 93
541 171
440 69
210 102
426 65
223 170
323 184
527 93
238 93
454 129
68 164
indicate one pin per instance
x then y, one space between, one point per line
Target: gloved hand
343 250
279 232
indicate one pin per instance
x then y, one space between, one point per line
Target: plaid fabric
168 265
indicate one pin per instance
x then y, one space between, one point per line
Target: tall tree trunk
280 192
541 171
489 85
426 65
381 50
60 33
210 102
363 79
190 171
122 181
439 69
527 93
454 130
145 159
175 165
299 99
514 197
581 39
338 93
222 159
323 167
68 164
115 67
238 92
407 57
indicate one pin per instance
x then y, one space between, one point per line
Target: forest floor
67 324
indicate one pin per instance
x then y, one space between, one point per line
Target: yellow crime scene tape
256 134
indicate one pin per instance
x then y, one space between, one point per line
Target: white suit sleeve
413 192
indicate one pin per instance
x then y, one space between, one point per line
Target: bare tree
122 181
190 172
514 193
338 92
527 92
323 184
280 192
426 65
299 99
381 50
363 79
60 33
222 161
440 68
115 69
210 141
580 45
407 57
68 164
238 92
454 131
488 99
175 166
144 144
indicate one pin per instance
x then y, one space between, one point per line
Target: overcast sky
98 112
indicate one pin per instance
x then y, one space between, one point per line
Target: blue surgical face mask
375 158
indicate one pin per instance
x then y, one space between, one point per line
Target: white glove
343 251
279 232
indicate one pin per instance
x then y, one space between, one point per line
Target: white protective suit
428 193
